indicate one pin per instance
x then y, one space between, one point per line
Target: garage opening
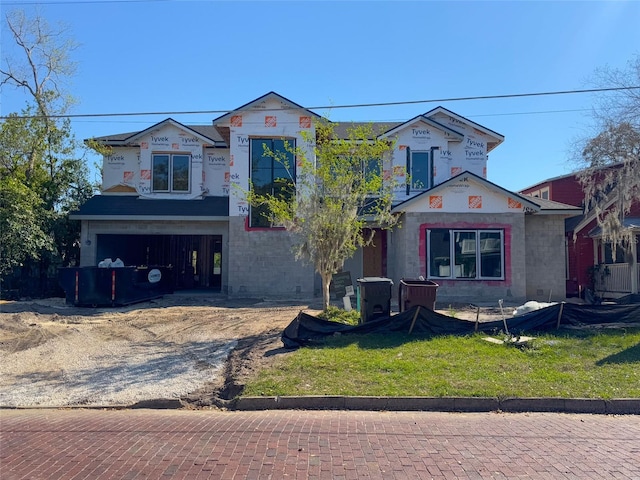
196 259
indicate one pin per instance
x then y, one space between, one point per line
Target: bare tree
42 69
611 159
42 175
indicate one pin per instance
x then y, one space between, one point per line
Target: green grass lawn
571 363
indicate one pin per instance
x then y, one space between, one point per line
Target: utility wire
72 2
332 107
387 120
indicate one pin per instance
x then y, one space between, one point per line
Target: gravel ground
54 355
89 372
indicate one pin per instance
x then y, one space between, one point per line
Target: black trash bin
374 297
417 292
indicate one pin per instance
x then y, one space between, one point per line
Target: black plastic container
114 286
374 298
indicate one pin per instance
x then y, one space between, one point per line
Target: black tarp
306 329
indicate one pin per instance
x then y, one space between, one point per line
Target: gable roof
267 96
498 139
217 135
549 206
206 133
482 181
549 180
130 207
449 132
572 174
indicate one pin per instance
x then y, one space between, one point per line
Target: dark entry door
374 255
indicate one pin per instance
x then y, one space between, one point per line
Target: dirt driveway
196 348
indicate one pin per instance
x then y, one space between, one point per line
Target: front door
374 255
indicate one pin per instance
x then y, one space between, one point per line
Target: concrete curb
442 404
615 406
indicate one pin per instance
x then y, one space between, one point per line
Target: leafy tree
42 177
611 159
339 189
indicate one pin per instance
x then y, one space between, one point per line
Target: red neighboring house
589 261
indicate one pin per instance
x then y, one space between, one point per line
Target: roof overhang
449 133
132 139
140 218
528 205
495 138
133 208
169 121
285 102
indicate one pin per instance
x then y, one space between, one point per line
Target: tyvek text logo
474 143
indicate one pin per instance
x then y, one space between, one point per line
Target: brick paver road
180 444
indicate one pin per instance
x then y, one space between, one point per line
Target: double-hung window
465 254
273 172
170 172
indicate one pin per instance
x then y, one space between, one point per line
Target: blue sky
177 56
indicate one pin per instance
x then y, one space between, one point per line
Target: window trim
544 193
452 230
170 172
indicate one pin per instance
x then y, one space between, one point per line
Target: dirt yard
197 348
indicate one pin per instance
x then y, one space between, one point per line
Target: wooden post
415 317
477 319
560 315
113 286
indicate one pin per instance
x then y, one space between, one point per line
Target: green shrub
336 314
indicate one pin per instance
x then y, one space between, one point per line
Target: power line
72 2
332 107
392 120
541 112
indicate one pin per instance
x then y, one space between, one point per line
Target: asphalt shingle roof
132 206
